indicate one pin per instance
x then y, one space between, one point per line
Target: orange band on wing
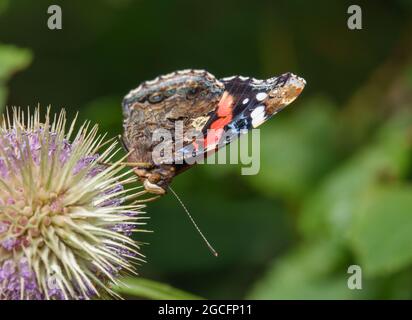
224 111
225 106
225 115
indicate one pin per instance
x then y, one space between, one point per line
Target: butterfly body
200 103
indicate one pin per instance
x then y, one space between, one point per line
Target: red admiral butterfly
202 103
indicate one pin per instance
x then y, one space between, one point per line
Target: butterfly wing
185 97
246 103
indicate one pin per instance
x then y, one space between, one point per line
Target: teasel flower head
65 215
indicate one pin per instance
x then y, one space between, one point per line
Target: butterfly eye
155 98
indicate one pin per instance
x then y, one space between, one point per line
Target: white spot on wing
258 110
245 101
261 96
258 116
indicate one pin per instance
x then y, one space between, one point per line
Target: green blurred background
334 187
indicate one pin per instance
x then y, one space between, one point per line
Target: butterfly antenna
212 250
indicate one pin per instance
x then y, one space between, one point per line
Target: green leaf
381 234
149 289
331 208
307 273
12 59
